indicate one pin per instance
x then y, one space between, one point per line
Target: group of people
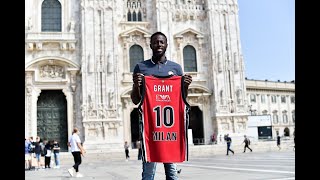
246 142
126 150
39 150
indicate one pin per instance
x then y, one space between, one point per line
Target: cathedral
80 55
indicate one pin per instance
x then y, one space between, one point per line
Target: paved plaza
275 165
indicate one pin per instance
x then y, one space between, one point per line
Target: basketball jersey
164 114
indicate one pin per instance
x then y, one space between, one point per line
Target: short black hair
157 33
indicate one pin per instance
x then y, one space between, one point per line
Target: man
76 150
27 153
228 139
246 143
278 142
158 65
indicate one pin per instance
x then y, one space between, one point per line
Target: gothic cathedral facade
80 54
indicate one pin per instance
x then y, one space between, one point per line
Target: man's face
158 45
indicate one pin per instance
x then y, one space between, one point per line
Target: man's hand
187 82
137 82
137 79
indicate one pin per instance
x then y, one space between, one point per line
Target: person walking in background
56 150
126 150
157 65
76 150
139 150
229 140
278 142
246 143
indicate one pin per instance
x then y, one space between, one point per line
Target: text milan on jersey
162 136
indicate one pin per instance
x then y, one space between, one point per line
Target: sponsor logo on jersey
163 97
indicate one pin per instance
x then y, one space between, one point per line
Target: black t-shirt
229 140
56 146
37 147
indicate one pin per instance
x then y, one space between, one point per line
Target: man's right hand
137 82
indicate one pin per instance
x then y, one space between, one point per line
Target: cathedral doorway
196 124
134 121
52 117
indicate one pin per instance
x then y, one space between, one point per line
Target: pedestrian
56 155
37 151
126 150
48 151
229 140
213 138
139 150
246 143
77 150
27 153
158 65
278 142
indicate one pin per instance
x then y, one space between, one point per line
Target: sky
267 34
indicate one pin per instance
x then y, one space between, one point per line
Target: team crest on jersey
163 97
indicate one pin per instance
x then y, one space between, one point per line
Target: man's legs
148 170
57 159
170 171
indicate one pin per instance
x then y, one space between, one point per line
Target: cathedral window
136 55
51 16
134 10
189 59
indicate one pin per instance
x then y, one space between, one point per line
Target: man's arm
81 148
135 94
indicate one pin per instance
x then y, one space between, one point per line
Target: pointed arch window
136 55
134 9
51 16
129 16
189 59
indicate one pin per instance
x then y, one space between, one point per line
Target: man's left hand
187 80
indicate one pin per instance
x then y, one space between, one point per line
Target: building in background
80 54
274 99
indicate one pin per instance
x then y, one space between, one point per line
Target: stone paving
256 165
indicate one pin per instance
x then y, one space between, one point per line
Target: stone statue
72 26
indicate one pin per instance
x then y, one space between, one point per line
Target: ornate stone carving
239 96
225 126
39 46
52 71
219 62
111 98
